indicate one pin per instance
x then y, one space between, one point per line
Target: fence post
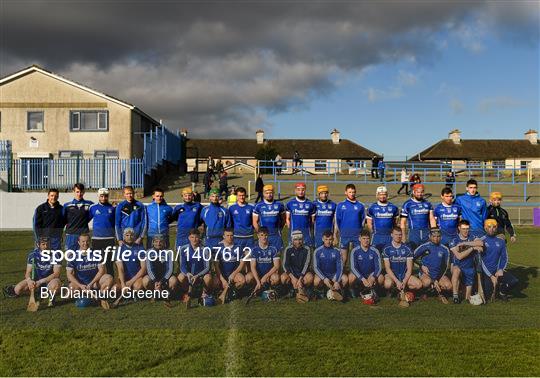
524 192
10 165
103 173
78 168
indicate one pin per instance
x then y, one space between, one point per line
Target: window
35 121
108 154
524 164
65 154
320 165
89 120
471 164
498 164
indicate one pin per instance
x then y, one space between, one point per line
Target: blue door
34 173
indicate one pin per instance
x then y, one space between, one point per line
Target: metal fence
162 145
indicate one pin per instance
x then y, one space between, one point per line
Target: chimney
183 132
335 136
532 136
455 136
260 136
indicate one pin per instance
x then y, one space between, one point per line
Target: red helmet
409 296
368 298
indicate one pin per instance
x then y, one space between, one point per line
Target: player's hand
120 243
264 279
371 281
400 285
31 284
129 283
300 283
336 286
494 281
224 283
157 285
257 286
425 269
365 282
138 241
190 278
499 273
327 282
513 239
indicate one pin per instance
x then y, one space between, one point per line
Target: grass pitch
283 338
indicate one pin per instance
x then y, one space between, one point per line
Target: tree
265 155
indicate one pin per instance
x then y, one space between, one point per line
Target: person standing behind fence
76 217
207 182
381 166
102 214
404 181
224 185
450 179
49 220
374 167
259 185
131 214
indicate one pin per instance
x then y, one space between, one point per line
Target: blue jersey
270 216
41 267
229 258
467 262
398 257
159 218
301 212
188 216
365 263
216 218
327 263
383 216
350 217
103 217
417 213
435 257
195 260
264 258
130 215
324 216
86 269
76 216
131 256
473 209
447 217
495 256
242 219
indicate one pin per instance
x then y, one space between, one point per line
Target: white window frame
42 121
76 127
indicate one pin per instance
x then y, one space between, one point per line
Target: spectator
381 166
415 179
196 196
207 181
259 185
278 164
232 196
224 185
374 167
296 159
450 179
219 166
404 181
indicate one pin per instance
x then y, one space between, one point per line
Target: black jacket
259 184
502 218
48 221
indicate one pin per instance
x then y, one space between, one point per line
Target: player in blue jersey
265 263
160 216
230 262
447 215
366 266
299 215
87 271
473 208
350 217
434 260
464 248
160 266
130 214
130 262
270 214
215 218
103 239
76 217
328 266
325 210
398 264
195 264
417 216
40 272
187 215
381 216
296 263
496 281
242 220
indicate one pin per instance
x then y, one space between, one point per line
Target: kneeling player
229 264
39 272
328 267
265 263
195 264
159 266
131 264
434 259
296 259
85 274
366 266
398 263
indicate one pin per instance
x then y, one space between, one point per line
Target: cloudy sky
394 76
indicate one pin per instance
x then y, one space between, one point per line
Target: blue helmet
83 302
208 301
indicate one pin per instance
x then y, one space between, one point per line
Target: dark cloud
219 68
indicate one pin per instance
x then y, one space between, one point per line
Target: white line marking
231 357
524 266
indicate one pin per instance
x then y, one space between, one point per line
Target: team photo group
340 250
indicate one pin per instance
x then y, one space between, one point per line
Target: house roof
479 149
308 148
36 68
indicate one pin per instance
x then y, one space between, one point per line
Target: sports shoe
9 291
456 299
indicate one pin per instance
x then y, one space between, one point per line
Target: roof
36 68
308 148
480 149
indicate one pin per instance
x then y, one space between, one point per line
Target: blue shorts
56 242
276 241
243 242
467 276
346 241
318 240
446 238
181 240
418 236
380 241
72 242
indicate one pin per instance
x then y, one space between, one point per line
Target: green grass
283 338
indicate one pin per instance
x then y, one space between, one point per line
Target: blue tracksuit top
130 215
103 218
435 257
327 263
365 263
473 209
495 255
77 216
350 218
159 218
216 218
188 216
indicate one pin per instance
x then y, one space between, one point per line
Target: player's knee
173 282
317 282
308 279
380 280
239 280
344 282
106 281
351 279
426 281
285 279
54 284
207 279
274 279
138 285
146 282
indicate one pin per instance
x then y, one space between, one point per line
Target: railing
5 154
162 145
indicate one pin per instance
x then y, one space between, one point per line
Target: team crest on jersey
275 207
440 254
235 212
98 212
478 203
355 207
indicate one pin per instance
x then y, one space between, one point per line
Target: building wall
56 99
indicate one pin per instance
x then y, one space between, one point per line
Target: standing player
366 266
195 264
131 263
230 263
216 218
188 217
296 261
381 217
76 216
265 263
447 215
271 215
417 214
464 248
328 266
49 220
299 215
160 266
130 214
495 211
398 264
159 217
324 214
434 258
350 217
242 220
102 214
473 208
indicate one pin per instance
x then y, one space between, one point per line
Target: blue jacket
103 216
365 263
159 218
216 218
495 256
473 209
327 263
188 215
130 215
